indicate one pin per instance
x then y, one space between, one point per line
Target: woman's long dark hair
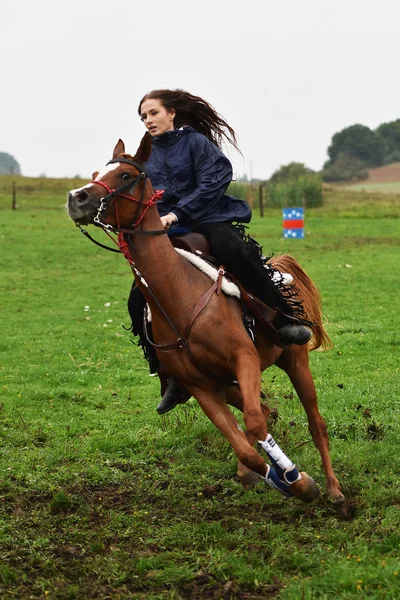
196 112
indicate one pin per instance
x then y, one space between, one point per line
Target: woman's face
156 117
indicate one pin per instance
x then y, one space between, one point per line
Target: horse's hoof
249 479
305 489
338 499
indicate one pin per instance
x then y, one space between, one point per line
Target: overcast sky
285 74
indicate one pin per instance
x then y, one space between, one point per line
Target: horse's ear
119 149
144 150
94 175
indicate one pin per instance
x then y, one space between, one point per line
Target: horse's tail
310 297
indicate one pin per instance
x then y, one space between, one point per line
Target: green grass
101 498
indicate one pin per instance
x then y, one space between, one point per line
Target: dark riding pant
242 260
136 305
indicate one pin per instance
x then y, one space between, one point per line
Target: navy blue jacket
194 175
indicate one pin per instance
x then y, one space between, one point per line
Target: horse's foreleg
247 478
284 475
295 362
249 379
213 403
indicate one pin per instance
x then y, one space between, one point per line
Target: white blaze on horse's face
112 167
84 202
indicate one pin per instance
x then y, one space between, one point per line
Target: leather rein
105 203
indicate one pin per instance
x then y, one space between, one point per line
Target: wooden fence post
14 196
260 200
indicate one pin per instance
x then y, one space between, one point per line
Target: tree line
358 148
352 151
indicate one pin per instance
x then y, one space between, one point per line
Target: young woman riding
187 162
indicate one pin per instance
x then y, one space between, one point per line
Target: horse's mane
310 297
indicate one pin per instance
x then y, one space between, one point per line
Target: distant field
385 180
388 187
385 174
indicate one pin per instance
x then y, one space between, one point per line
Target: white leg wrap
284 467
274 452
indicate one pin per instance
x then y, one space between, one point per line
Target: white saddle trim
229 288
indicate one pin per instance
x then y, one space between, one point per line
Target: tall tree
390 133
8 164
358 141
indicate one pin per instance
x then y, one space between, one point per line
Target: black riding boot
291 332
173 395
171 391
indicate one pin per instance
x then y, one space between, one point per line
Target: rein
182 341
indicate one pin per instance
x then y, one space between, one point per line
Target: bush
305 191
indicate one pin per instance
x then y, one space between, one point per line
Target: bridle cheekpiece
106 200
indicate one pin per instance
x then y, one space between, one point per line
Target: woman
187 163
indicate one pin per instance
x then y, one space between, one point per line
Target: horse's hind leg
295 362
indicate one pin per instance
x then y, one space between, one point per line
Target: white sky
286 75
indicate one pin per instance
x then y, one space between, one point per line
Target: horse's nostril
79 196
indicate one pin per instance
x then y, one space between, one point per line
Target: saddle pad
229 288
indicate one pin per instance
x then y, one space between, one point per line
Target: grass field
101 498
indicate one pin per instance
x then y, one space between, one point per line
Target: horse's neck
156 259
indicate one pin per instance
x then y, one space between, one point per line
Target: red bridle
115 194
112 195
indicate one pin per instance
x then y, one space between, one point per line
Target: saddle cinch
252 307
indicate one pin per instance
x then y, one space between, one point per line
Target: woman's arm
213 174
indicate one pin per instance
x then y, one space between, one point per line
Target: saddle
192 242
253 309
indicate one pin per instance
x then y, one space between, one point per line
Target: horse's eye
126 176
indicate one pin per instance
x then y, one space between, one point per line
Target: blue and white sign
293 222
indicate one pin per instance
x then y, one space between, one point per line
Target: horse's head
118 194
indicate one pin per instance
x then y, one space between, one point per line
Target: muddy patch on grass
206 587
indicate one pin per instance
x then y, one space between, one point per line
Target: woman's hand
168 220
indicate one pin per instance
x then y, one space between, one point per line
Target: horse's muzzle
79 207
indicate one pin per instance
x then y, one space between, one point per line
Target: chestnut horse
208 349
